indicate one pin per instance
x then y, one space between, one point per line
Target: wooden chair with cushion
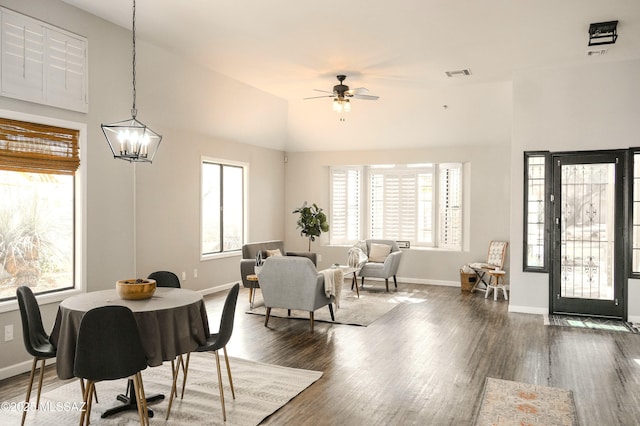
495 259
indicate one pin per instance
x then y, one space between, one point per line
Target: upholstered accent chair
267 248
384 259
291 282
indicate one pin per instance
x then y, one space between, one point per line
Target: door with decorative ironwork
588 274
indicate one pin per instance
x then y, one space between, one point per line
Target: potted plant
311 222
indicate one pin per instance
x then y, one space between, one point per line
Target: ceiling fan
341 95
342 91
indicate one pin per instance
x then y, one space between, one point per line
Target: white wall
307 179
109 202
199 113
202 113
567 108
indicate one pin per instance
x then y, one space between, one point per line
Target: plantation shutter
38 148
345 205
450 205
42 63
23 47
394 204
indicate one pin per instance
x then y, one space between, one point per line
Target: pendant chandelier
131 140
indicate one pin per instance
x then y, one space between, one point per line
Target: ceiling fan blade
366 97
317 97
358 91
323 91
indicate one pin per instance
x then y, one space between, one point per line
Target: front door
587 255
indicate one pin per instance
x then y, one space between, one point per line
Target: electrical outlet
8 332
319 258
195 273
184 276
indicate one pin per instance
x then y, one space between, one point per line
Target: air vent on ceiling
458 73
598 52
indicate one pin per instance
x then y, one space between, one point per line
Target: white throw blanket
333 280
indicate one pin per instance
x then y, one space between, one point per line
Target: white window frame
335 210
410 208
455 241
80 250
245 210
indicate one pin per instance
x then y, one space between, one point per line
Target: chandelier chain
134 111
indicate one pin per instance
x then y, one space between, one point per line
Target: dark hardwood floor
425 363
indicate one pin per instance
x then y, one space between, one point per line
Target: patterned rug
261 389
507 403
373 303
605 324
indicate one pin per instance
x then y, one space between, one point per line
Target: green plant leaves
312 221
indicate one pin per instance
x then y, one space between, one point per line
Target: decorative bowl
136 289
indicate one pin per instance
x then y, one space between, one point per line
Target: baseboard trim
528 310
21 367
217 289
416 281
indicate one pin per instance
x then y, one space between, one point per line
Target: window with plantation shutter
450 235
345 204
419 203
394 204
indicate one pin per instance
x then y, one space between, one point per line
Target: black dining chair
109 348
165 279
169 279
216 342
36 340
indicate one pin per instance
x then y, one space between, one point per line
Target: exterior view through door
588 268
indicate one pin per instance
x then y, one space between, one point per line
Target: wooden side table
494 284
252 290
346 270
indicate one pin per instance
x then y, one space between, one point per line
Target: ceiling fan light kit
341 95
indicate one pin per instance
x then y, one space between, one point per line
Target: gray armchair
248 262
386 269
292 283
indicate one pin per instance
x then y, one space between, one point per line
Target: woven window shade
38 148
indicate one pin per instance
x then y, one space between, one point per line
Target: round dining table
172 322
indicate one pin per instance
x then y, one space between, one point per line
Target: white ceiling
398 49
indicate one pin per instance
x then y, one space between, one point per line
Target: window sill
44 299
223 255
416 248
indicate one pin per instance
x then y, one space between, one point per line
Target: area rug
514 403
605 324
261 389
372 304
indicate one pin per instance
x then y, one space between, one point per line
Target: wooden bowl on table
136 289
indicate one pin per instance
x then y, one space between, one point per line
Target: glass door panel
588 268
